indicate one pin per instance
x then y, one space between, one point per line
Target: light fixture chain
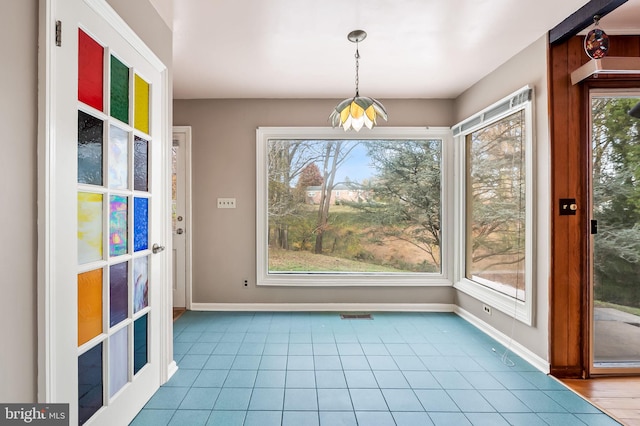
357 69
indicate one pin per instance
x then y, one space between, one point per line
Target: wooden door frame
568 286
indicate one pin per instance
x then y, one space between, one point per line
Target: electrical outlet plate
226 203
486 309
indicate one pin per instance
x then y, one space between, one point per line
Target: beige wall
224 164
18 109
528 67
18 183
224 243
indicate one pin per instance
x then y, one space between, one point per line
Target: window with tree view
496 205
352 206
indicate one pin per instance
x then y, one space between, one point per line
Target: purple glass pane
118 293
140 164
140 224
117 225
89 383
140 283
90 137
140 333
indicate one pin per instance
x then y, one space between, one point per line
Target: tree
309 176
407 192
286 161
616 200
333 154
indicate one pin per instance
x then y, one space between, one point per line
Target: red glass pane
90 71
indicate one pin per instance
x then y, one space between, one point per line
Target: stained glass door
108 155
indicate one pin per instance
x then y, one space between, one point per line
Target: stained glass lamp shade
354 113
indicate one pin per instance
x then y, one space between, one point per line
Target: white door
181 215
104 161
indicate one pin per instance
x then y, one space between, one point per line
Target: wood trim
582 18
569 316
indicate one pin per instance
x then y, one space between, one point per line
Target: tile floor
307 369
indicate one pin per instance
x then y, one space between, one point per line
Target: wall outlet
245 282
486 309
226 203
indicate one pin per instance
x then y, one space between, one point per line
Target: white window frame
263 277
521 100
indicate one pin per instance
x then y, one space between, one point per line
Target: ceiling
414 48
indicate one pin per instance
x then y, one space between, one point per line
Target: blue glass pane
139 343
118 293
90 137
140 224
89 383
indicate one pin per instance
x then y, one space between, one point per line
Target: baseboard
325 307
515 347
172 368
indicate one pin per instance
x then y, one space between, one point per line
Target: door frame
52 274
188 227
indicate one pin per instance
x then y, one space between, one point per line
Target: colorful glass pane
89 305
89 227
90 71
119 90
140 224
141 102
117 225
118 158
118 360
140 164
140 283
140 343
118 293
90 137
89 383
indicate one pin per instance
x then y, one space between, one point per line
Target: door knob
157 248
179 231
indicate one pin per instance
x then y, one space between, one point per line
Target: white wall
224 163
528 67
18 109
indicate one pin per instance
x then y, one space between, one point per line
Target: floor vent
356 316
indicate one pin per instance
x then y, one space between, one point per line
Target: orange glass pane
89 305
141 104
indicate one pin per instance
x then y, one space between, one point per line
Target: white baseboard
171 369
325 307
515 347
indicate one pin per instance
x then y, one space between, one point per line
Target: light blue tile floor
306 369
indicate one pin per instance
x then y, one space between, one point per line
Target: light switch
226 203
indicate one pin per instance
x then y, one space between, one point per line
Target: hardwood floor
177 312
618 396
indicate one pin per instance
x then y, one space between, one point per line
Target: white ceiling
414 48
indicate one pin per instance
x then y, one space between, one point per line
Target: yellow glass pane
141 104
89 305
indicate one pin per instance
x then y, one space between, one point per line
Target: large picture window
496 193
341 209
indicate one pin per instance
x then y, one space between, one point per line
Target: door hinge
58 33
594 227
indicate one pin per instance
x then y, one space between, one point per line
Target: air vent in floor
356 316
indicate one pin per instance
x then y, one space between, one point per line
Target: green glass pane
119 90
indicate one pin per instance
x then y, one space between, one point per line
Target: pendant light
358 111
